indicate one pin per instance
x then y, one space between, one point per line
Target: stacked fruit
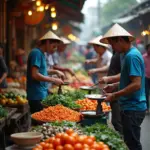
71 141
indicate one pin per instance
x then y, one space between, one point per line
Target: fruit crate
20 108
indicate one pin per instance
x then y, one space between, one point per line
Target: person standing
103 58
3 69
61 48
131 92
146 57
37 74
114 69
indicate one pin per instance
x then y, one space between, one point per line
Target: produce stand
4 122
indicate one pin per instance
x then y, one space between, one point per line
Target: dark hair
147 46
42 42
125 38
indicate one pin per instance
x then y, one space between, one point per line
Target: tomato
57 142
50 146
96 146
58 135
64 137
105 148
59 147
88 141
68 147
85 146
42 144
81 139
70 140
92 137
70 131
46 146
51 140
78 146
74 135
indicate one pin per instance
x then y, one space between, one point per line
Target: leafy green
3 112
64 100
64 123
106 135
75 95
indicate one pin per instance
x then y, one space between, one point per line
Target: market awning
125 19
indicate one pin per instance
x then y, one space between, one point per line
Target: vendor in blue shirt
131 92
37 74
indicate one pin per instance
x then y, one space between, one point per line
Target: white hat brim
65 41
50 36
96 41
116 31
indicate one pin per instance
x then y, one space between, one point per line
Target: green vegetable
106 135
64 100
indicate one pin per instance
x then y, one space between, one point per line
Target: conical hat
116 31
97 42
65 41
51 36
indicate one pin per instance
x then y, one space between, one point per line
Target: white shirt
105 59
49 61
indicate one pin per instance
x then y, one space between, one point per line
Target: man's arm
91 61
64 69
110 79
39 77
103 69
57 72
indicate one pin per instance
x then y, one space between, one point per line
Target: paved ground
145 133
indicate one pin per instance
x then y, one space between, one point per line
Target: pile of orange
71 141
87 104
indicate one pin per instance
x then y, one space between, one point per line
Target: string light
30 13
54 26
41 8
53 9
53 14
38 3
47 7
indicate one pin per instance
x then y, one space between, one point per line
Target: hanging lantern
35 18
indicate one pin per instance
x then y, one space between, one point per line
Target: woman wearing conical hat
131 92
60 49
37 75
103 58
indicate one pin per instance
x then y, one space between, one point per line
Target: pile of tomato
71 141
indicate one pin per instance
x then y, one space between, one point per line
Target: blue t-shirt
36 90
133 65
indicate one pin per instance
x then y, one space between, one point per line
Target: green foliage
106 135
114 8
67 99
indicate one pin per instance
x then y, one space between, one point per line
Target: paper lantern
35 18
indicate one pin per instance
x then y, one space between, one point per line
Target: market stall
65 113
